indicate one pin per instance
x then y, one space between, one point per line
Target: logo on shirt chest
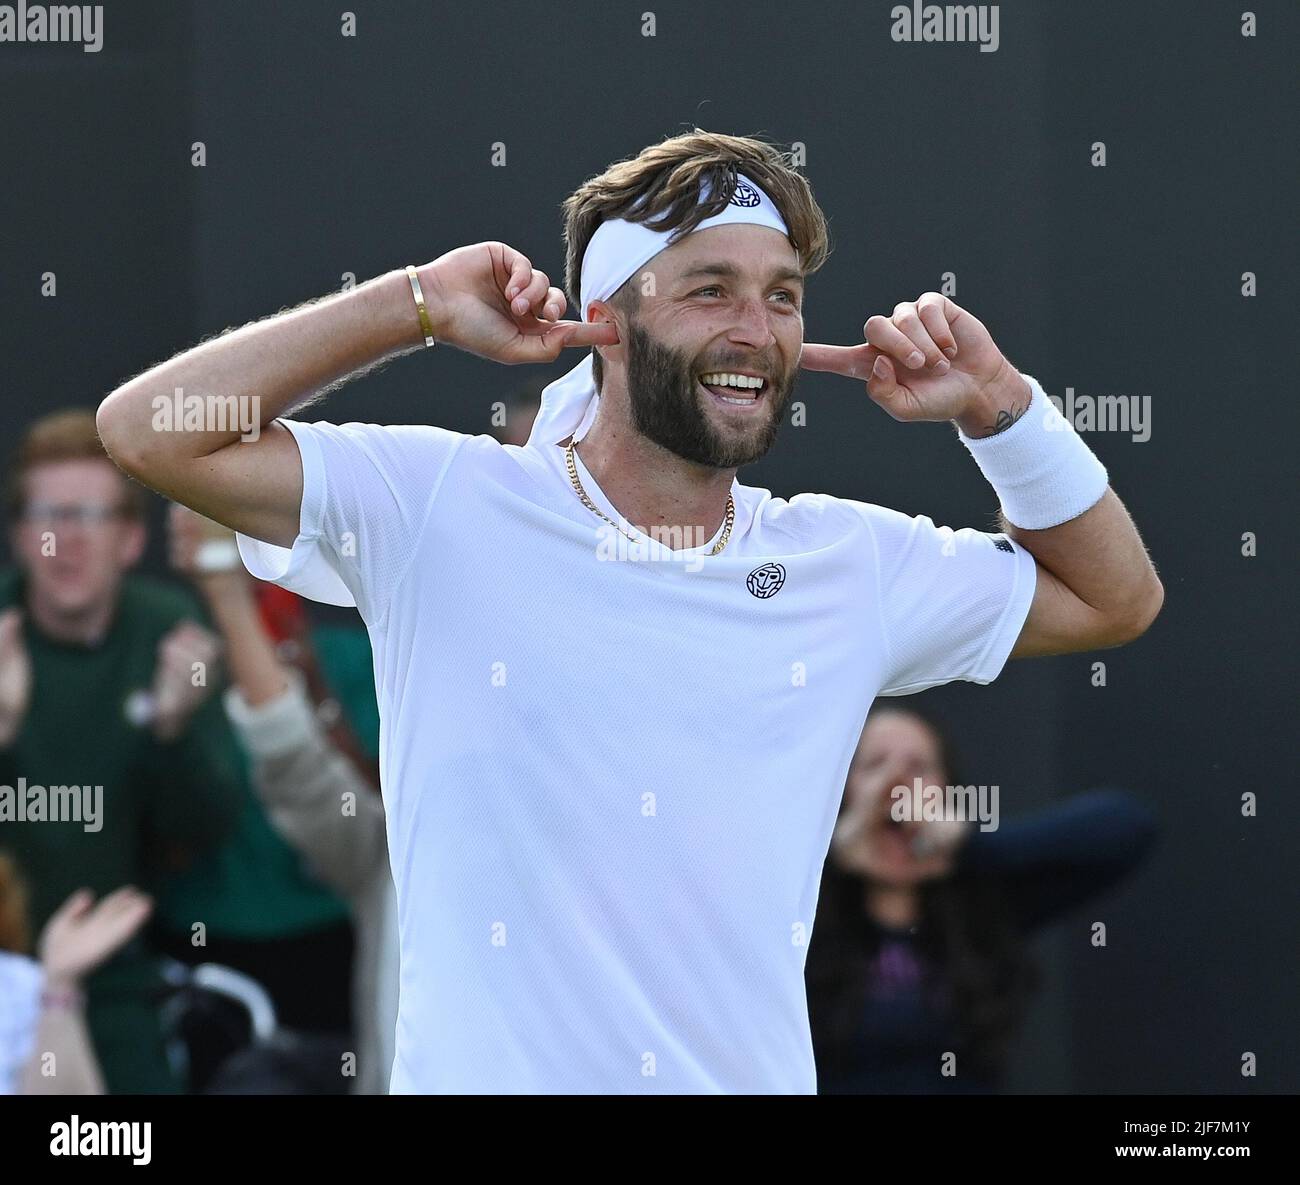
765 581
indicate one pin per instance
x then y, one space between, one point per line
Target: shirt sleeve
302 778
952 602
21 981
367 490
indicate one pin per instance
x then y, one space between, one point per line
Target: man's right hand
253 482
489 300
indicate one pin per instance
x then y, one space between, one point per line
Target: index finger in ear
587 333
543 341
854 362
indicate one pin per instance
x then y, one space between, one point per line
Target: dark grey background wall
329 154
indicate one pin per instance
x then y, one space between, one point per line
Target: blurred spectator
98 693
519 411
919 946
260 909
318 791
45 1047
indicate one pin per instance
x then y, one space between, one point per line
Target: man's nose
753 326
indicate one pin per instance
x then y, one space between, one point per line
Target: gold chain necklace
569 452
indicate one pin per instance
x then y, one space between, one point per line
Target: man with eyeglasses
104 682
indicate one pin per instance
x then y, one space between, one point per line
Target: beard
668 405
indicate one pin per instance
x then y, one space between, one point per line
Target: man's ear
600 310
604 313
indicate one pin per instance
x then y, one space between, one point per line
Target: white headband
615 252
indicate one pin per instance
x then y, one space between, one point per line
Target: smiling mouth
735 398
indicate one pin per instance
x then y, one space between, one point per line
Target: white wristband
218 555
1040 469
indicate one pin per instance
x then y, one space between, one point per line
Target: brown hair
13 908
68 435
670 176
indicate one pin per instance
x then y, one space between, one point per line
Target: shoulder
354 452
815 518
380 465
420 443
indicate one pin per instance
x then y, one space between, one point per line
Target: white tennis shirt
611 782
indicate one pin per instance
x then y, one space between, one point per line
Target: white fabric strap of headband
617 250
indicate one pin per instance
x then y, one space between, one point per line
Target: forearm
284 361
62 1032
313 795
1065 854
1001 404
1101 559
1090 830
254 667
326 810
1097 555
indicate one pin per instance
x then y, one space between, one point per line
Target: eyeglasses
84 514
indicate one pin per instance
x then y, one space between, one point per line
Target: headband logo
746 196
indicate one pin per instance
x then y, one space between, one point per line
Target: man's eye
714 288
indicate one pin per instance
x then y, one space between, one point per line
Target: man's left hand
932 360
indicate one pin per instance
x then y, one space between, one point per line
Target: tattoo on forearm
1005 419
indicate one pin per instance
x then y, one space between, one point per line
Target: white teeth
721 379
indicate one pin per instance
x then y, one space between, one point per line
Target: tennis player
620 690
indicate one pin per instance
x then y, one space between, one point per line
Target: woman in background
919 948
